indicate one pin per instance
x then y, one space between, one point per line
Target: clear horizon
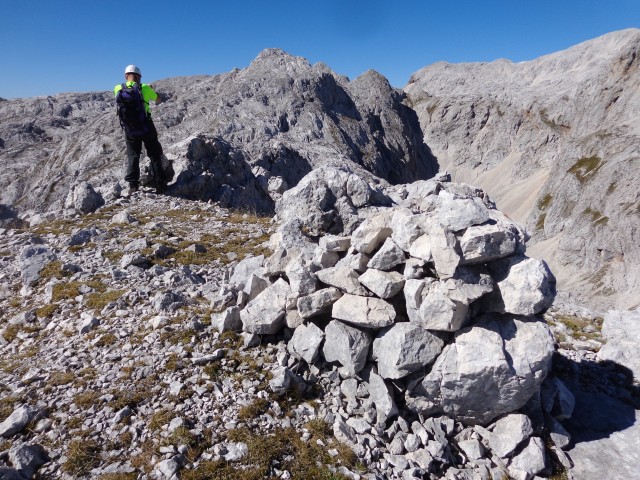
66 46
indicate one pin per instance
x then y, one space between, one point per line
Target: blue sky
54 46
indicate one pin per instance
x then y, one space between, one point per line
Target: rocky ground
112 367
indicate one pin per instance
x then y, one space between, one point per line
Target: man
133 100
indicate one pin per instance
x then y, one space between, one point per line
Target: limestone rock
265 313
17 421
529 462
511 355
367 312
383 284
508 433
306 342
27 458
372 232
347 345
404 348
485 243
33 259
343 278
318 302
84 198
389 256
524 286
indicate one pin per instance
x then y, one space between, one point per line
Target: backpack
131 112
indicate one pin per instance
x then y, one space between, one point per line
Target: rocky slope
243 137
555 142
161 336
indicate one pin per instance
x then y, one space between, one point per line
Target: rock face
554 142
240 138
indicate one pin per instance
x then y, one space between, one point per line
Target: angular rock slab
491 368
33 259
372 232
444 250
485 243
524 286
508 433
347 345
404 348
383 284
458 213
305 342
368 312
387 257
344 278
318 302
381 395
529 462
264 315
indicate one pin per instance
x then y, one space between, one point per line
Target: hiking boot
161 188
132 189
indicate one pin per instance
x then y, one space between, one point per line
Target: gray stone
414 269
508 433
318 303
389 256
414 293
511 355
444 250
265 313
229 319
123 217
84 198
472 448
235 451
524 286
456 213
381 395
422 458
365 312
334 243
17 421
244 269
485 243
372 232
383 284
306 342
404 348
33 258
421 248
439 311
254 286
343 278
622 332
89 322
347 345
27 459
323 259
529 462
406 227
301 279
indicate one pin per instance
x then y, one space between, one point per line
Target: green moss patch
585 168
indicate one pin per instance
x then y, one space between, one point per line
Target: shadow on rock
606 399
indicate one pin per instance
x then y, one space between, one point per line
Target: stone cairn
429 304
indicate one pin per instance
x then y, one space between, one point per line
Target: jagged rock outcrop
240 138
554 141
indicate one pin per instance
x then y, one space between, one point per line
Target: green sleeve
116 89
148 93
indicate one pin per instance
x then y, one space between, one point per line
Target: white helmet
132 69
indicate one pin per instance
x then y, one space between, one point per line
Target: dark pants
154 150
